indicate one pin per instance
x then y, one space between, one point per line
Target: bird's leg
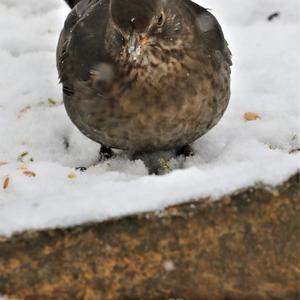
105 153
185 151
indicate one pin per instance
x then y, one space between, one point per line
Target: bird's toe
185 151
105 153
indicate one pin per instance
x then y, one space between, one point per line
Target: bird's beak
137 43
134 44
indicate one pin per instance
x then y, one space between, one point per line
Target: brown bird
143 75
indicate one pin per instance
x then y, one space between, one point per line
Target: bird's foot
185 151
105 153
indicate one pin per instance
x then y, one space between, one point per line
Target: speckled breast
153 109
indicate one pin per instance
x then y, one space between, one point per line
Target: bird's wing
208 28
63 43
81 42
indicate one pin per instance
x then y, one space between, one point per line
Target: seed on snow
72 176
23 168
24 110
5 183
251 116
29 173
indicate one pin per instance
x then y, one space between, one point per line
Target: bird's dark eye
160 19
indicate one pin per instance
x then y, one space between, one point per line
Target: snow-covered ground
235 154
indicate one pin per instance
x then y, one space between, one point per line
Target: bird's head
146 26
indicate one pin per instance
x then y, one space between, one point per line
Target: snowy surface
235 154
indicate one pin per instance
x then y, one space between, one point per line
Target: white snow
233 155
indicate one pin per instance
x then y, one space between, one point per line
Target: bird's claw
105 153
185 151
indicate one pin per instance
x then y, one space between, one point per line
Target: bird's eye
160 19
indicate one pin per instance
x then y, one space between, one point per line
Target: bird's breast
157 104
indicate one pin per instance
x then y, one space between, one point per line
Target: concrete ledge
245 246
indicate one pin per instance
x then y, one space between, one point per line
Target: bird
143 75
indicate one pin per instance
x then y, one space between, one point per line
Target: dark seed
81 169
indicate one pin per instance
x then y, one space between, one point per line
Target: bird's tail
72 3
